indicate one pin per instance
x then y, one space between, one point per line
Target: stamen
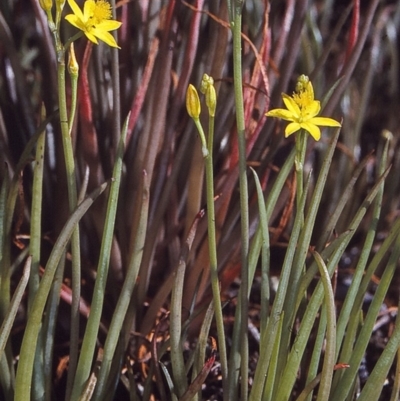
102 11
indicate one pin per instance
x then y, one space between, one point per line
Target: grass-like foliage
199 200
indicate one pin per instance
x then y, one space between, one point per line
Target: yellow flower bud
193 102
302 83
205 83
211 100
60 4
207 87
46 4
73 66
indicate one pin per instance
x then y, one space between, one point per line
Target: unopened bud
193 102
211 100
46 5
205 83
302 83
73 66
60 4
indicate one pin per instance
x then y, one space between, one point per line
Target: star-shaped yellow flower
302 110
95 21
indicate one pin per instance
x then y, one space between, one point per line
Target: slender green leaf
330 352
25 365
90 337
8 322
265 256
126 295
268 341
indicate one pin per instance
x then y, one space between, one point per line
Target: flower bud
60 4
193 102
73 66
205 83
302 83
211 100
46 5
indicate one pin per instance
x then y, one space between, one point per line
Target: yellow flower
302 110
95 21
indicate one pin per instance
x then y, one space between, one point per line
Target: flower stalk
236 27
72 200
95 22
194 109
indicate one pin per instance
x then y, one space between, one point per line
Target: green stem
301 147
72 39
66 139
244 206
208 160
36 213
69 161
34 249
76 271
115 67
72 200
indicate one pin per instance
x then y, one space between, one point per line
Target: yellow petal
75 21
108 25
325 122
291 129
312 110
91 37
281 113
88 9
291 105
310 90
105 37
75 9
312 129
